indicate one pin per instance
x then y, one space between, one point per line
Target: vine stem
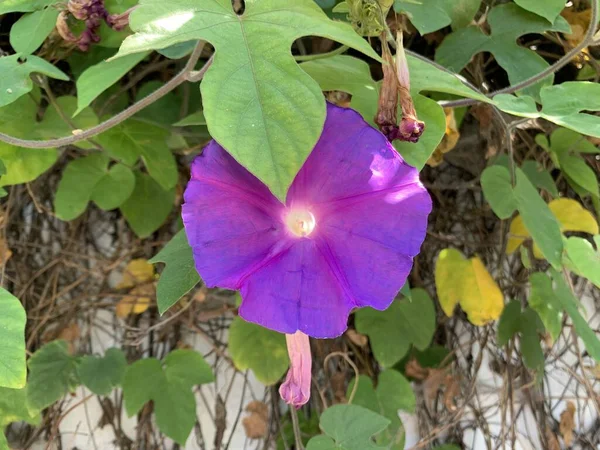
296 426
187 74
337 51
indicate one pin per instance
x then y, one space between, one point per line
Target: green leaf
539 220
570 304
509 323
15 80
544 302
77 184
101 375
148 206
561 104
13 373
14 408
187 368
498 191
579 172
259 349
392 331
507 23
583 259
548 9
114 188
53 124
166 110
8 6
393 393
142 380
348 427
52 374
539 177
196 118
564 140
134 139
533 356
109 37
258 103
170 387
97 78
31 30
179 275
432 15
25 164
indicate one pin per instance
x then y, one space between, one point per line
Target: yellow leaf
579 21
137 301
468 283
571 217
137 271
5 252
448 141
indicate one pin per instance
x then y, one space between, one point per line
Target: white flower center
300 222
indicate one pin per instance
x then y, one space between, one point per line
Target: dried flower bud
367 16
295 390
79 8
63 28
119 21
396 85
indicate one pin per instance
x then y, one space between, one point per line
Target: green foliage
582 259
528 324
257 121
14 408
507 23
196 118
101 375
544 302
99 77
548 9
259 349
535 213
148 205
16 81
52 374
179 275
571 305
8 6
31 30
393 393
348 427
405 322
561 104
432 15
13 373
169 385
309 427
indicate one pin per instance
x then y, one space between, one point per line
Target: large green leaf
15 80
539 220
562 104
99 77
101 375
259 349
114 188
548 9
498 191
507 23
179 275
14 408
13 372
31 30
134 139
543 301
393 393
25 164
8 6
570 304
258 103
432 15
405 322
52 374
348 427
169 385
148 206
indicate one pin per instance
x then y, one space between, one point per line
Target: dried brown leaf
138 300
567 423
357 338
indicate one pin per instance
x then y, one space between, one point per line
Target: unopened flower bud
295 390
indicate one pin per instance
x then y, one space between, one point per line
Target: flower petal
344 164
231 219
296 290
374 239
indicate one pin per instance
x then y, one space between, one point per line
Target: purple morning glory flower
354 218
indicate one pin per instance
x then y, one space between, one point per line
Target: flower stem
296 427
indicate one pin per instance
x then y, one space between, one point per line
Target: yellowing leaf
571 217
449 140
137 301
579 21
137 271
5 252
567 423
468 283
